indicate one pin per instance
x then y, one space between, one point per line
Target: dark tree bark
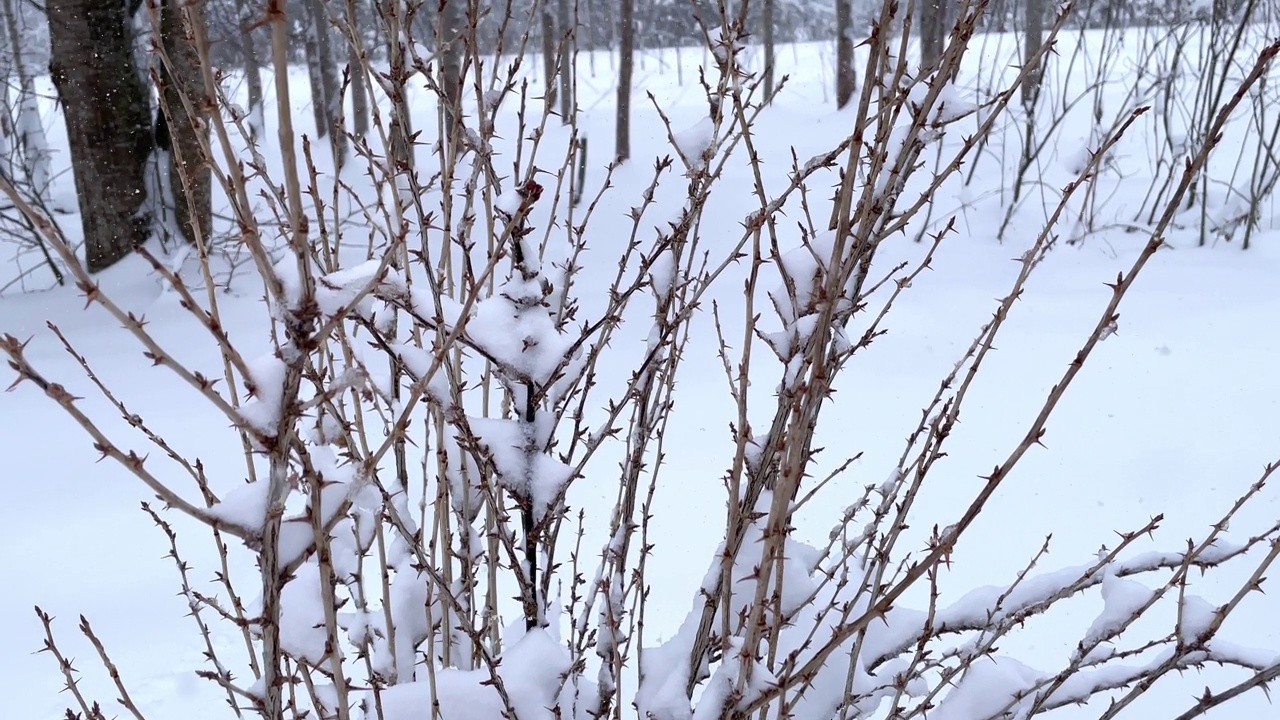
548 53
359 92
189 173
933 31
451 22
626 52
108 121
312 53
1033 38
327 94
845 79
252 69
566 42
766 23
593 32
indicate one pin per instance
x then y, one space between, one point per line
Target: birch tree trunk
29 131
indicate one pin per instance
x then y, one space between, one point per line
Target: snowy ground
1175 414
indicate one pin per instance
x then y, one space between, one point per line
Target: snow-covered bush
456 355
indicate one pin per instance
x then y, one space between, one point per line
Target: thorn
90 291
17 381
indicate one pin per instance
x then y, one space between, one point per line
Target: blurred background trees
122 99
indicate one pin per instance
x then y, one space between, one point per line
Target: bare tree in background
252 69
313 74
845 80
450 25
108 121
566 41
32 144
548 51
359 88
182 92
933 30
325 96
1033 38
626 51
766 36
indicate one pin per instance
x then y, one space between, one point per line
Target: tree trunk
611 31
626 51
318 115
566 41
108 123
1033 38
359 92
252 70
766 22
845 82
588 18
330 112
451 40
548 53
189 175
311 49
933 33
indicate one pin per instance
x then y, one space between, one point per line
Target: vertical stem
278 487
